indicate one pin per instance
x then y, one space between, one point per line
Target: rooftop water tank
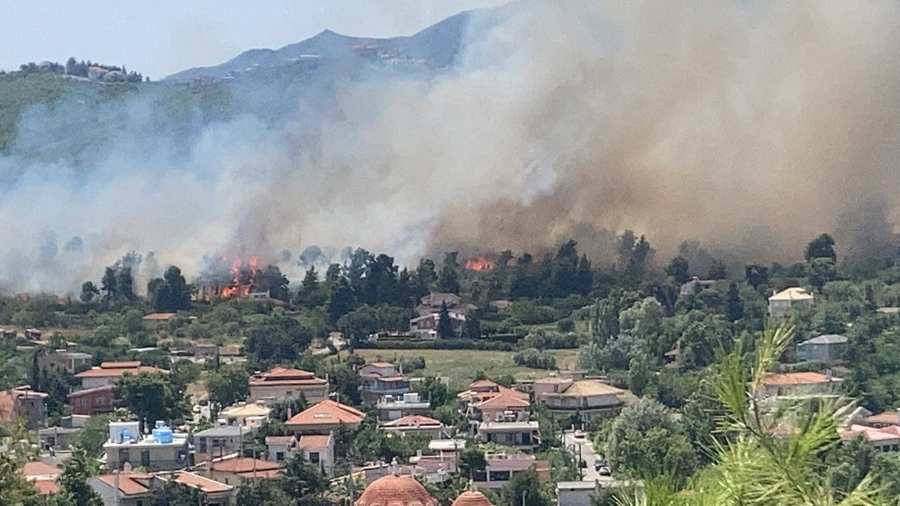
162 434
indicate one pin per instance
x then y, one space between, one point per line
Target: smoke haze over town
750 127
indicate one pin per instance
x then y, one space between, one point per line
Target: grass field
460 366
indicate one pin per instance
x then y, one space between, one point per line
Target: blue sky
160 37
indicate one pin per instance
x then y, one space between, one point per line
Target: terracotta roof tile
128 483
243 465
327 412
798 378
313 441
393 490
40 469
472 498
199 482
46 487
413 421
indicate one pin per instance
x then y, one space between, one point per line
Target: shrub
534 358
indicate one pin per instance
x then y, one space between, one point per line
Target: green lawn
461 365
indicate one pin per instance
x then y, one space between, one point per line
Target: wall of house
162 458
326 458
87 383
313 394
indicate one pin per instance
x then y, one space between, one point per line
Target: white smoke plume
749 126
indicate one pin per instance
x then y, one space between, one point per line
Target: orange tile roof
314 441
243 465
127 482
121 365
279 440
199 482
413 421
394 490
115 372
483 384
327 412
504 400
46 487
798 378
40 469
285 376
268 474
159 316
471 498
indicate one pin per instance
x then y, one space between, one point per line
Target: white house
780 303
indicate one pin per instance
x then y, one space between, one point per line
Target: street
588 454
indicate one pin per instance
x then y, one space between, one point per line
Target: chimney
116 488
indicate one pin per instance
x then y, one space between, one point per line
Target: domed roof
472 498
393 490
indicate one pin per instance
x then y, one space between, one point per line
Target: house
881 420
433 302
524 436
483 390
380 379
781 302
417 425
43 476
71 361
391 408
799 384
425 326
885 439
501 467
58 437
592 399
695 286
234 470
25 404
325 417
248 415
92 401
127 449
280 448
319 450
826 348
507 405
281 383
110 372
222 440
136 489
582 493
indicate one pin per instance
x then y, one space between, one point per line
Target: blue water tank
162 435
126 436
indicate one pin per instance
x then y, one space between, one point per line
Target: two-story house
127 449
222 440
92 401
71 361
137 489
281 383
799 384
782 302
380 379
324 418
592 399
826 348
521 435
23 404
391 408
254 414
110 372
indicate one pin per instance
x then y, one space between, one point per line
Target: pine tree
444 326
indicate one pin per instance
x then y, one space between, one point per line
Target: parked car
604 471
582 464
598 463
579 434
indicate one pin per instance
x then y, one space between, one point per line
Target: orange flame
479 264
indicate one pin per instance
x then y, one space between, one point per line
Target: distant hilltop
434 47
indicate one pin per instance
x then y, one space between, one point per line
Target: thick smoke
749 126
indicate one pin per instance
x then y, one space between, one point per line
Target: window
499 475
145 458
314 457
279 456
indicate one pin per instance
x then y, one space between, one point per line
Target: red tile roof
159 316
314 441
284 376
888 417
504 400
46 487
798 378
393 490
243 465
327 412
118 369
39 469
199 482
128 483
413 421
279 440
